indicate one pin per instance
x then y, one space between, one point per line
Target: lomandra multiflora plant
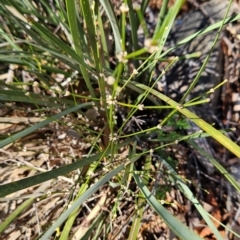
86 152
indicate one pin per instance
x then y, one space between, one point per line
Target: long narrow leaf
175 225
226 142
72 18
201 32
31 181
111 16
80 200
15 213
187 192
31 129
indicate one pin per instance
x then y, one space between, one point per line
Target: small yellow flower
150 45
113 137
151 152
140 107
110 100
110 80
122 57
136 6
211 90
67 93
135 72
124 8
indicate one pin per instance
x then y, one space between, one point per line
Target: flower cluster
110 100
150 45
113 137
124 8
122 57
140 107
110 80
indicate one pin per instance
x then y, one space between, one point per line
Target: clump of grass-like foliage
72 66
